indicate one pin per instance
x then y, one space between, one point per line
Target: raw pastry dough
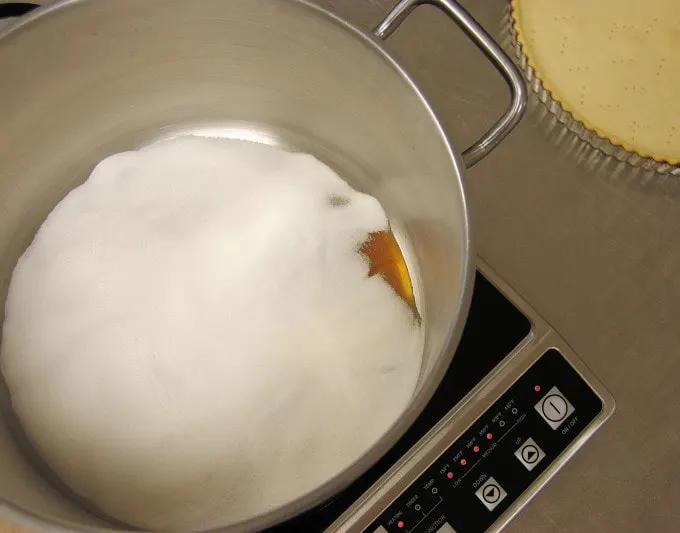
614 64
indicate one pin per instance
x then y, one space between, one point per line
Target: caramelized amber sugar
385 258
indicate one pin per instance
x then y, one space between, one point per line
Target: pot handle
15 9
486 44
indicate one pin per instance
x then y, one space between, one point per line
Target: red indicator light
489 436
463 462
476 449
400 524
449 475
537 388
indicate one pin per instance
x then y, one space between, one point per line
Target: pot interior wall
91 78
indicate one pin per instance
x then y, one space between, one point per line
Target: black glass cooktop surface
494 328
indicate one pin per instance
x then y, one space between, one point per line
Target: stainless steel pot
82 79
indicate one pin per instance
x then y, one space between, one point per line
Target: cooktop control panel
496 459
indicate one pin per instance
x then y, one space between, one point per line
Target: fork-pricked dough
613 64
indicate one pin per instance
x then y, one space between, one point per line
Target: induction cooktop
515 404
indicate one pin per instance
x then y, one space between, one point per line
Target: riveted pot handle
486 44
15 9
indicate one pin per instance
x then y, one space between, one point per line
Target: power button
554 408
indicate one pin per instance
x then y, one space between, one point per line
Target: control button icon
491 494
529 454
446 528
554 408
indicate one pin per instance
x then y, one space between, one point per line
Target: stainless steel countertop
590 243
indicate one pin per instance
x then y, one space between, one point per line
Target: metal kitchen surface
594 247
